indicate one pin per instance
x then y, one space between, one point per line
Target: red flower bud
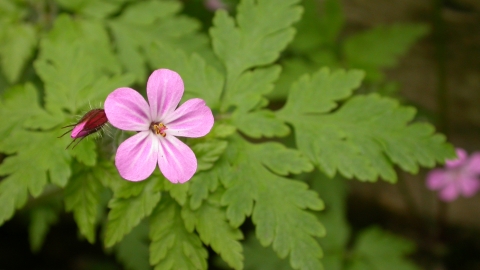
90 123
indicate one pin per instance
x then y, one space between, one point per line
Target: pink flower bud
90 123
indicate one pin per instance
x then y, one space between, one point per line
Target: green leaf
177 191
126 189
41 218
202 184
253 39
318 28
132 251
378 249
90 81
13 195
82 197
211 224
320 92
92 8
248 91
34 155
147 22
126 213
282 160
222 130
17 44
363 137
292 70
85 152
207 84
381 47
262 258
13 112
39 152
277 205
172 246
260 123
12 10
208 152
334 193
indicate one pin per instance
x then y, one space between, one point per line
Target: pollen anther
158 128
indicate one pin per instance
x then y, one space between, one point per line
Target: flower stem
441 67
407 196
441 95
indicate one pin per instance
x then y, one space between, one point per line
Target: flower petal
473 165
126 109
164 91
176 160
78 131
136 157
192 119
468 186
436 179
461 158
449 193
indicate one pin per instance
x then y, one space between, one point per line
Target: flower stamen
159 128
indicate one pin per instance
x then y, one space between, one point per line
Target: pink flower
460 177
157 125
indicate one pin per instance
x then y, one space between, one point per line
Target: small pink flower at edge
459 177
213 5
157 122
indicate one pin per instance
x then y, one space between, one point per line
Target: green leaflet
258 257
85 152
92 8
40 153
90 82
172 246
41 218
248 91
381 47
317 29
253 39
210 222
82 197
202 184
260 123
320 92
126 213
138 27
378 249
336 243
292 69
35 156
177 192
208 152
17 44
38 156
279 213
132 251
13 195
12 109
334 193
363 137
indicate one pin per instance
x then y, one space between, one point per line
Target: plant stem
407 196
441 66
439 33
